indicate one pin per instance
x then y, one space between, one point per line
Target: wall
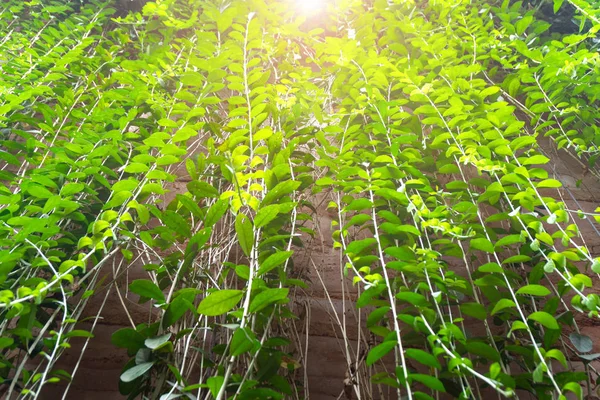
320 307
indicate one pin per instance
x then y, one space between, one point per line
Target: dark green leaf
220 302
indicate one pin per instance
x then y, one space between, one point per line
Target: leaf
133 373
534 290
557 5
596 266
127 338
416 299
359 205
71 188
215 212
537 159
549 183
39 191
157 341
489 91
358 246
202 189
6 342
266 215
474 310
590 357
544 319
273 261
177 308
280 190
267 297
243 340
380 351
245 233
395 229
502 304
118 199
214 384
582 343
557 355
176 223
423 357
79 333
430 381
136 168
523 23
482 244
220 302
484 350
146 288
549 266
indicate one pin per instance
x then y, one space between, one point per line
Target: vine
419 124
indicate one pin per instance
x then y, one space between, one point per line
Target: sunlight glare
311 6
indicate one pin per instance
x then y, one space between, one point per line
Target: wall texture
321 306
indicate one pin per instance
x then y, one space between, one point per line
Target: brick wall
326 366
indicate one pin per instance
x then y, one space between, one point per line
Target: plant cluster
418 123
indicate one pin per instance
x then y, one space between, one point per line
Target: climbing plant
198 141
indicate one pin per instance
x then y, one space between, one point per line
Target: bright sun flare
310 6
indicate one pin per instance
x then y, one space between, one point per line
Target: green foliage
417 122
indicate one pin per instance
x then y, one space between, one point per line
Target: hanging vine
419 123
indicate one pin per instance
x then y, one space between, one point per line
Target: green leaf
146 288
430 381
157 341
380 351
136 168
544 319
214 384
582 343
557 355
280 190
423 357
549 183
6 342
79 333
133 373
549 266
394 229
71 188
482 244
534 290
502 304
537 159
474 310
484 350
489 91
523 23
266 298
266 215
118 199
220 302
39 191
245 233
416 299
243 340
202 189
177 308
596 266
273 261
128 338
215 212
359 205
176 223
557 5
